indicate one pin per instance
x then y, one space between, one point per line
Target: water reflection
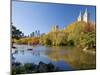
59 56
36 55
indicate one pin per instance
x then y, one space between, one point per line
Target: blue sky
31 16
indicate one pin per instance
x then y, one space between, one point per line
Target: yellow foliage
28 40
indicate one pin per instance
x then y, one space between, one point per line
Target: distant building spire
86 16
55 28
83 17
80 17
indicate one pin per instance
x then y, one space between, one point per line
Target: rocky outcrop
18 68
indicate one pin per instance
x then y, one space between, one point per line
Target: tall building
84 17
55 28
37 33
80 18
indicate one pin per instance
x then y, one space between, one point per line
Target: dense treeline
28 40
54 38
16 33
77 34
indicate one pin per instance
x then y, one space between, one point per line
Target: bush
71 43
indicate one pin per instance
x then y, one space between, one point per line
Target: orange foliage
35 40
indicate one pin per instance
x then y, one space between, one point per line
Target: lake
66 58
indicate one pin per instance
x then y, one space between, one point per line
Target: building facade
83 16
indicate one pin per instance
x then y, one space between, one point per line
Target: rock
13 47
85 48
30 49
42 67
33 68
16 63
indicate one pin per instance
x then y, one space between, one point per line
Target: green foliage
45 40
71 43
54 38
76 34
82 34
16 33
31 41
88 39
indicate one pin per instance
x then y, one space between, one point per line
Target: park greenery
79 34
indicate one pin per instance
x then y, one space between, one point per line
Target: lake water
38 53
66 58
